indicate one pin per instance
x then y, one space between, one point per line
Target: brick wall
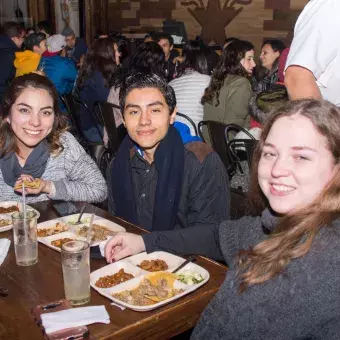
253 20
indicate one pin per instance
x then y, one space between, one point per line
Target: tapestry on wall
214 30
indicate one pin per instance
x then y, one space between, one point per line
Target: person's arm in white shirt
300 83
313 48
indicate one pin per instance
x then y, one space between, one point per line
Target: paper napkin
4 246
74 317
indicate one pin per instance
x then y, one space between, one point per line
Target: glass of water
75 257
25 238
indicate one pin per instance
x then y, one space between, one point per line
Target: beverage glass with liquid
75 257
25 238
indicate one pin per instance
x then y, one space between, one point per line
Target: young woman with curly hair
36 147
227 97
283 281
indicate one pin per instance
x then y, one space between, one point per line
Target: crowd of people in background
207 86
230 87
283 256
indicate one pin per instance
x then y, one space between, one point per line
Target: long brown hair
8 141
229 64
295 232
100 58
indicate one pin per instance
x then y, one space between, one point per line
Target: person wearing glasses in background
76 47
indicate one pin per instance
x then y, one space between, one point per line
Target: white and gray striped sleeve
84 181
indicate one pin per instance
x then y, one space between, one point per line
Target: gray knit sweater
302 303
74 174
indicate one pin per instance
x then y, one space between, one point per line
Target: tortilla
32 185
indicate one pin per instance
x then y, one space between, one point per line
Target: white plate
71 219
105 223
8 218
134 283
7 204
112 269
47 225
47 240
171 260
72 232
85 222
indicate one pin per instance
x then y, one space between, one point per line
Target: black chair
216 133
104 111
97 151
92 113
192 123
239 149
73 116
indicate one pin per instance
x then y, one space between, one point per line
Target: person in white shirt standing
312 68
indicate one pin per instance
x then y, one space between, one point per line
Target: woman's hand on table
44 186
123 245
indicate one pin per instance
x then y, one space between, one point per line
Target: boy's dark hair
147 80
164 35
44 25
13 29
34 39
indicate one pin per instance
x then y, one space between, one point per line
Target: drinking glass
25 238
75 257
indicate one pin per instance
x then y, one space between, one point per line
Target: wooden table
43 283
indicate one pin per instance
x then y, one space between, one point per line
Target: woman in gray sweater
36 148
283 281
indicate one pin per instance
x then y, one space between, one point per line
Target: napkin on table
74 317
4 246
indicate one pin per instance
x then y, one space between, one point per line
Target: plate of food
128 285
9 207
156 261
102 230
51 227
114 274
56 241
72 219
5 222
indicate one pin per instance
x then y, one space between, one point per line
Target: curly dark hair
101 58
230 63
8 141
